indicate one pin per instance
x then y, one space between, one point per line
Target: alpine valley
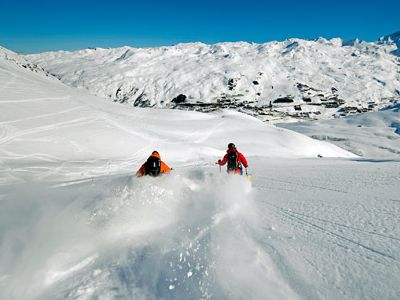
318 122
276 81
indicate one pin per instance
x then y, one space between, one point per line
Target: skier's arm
243 160
223 161
164 168
141 171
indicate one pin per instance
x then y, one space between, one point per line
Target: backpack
152 166
233 161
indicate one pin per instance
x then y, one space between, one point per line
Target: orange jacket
163 168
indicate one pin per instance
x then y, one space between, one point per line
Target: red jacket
241 158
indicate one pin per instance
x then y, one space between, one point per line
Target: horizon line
195 42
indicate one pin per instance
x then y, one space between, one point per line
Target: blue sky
31 26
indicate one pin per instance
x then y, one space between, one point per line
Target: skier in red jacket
235 160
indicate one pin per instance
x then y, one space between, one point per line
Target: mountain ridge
333 74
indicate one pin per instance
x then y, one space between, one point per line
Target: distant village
286 108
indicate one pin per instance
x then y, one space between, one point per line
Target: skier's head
231 146
156 154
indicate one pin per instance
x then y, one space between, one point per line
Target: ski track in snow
9 83
41 116
66 124
204 235
36 100
350 224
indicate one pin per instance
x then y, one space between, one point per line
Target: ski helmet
231 145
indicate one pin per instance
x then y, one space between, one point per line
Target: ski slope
76 224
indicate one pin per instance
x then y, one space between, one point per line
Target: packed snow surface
304 229
75 223
358 72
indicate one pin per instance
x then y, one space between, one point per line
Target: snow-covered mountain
276 80
75 223
46 117
392 39
10 56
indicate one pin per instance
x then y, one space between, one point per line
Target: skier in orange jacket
235 160
153 166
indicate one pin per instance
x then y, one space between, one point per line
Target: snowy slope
10 56
62 123
311 73
374 134
75 223
307 229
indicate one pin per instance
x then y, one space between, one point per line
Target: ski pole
217 163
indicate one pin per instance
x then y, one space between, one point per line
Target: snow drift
173 243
